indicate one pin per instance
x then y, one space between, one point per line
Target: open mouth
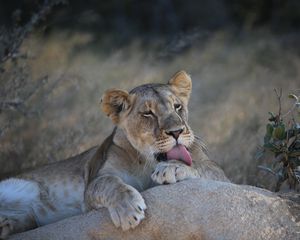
178 152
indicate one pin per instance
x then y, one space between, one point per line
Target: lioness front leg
124 203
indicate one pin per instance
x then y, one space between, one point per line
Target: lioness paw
6 226
129 211
166 172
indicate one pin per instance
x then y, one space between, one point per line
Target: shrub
282 140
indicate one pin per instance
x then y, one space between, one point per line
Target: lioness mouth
178 152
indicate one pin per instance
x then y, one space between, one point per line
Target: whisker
161 142
165 146
200 144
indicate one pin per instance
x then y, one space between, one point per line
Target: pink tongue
179 152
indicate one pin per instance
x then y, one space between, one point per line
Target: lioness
152 143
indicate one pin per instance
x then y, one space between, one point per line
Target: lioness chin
152 143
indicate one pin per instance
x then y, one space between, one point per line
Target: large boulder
193 209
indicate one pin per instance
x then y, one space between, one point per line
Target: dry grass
233 82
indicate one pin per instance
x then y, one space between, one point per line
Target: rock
193 209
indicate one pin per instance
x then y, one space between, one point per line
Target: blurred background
58 57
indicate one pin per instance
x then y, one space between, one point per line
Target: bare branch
279 95
19 33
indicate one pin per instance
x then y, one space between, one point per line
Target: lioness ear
181 84
113 102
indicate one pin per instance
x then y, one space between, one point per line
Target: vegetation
282 139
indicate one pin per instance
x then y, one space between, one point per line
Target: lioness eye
148 114
177 107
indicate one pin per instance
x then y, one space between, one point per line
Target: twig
290 110
266 169
279 95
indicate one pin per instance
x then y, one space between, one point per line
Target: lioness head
154 117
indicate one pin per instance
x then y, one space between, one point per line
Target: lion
151 144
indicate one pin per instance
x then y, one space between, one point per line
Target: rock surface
194 209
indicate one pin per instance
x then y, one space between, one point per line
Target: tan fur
181 83
112 175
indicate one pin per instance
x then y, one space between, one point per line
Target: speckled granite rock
194 209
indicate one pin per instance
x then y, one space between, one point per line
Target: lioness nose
175 133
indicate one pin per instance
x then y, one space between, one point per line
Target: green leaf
279 132
272 147
267 140
284 173
281 177
291 141
293 96
272 117
259 154
269 129
264 168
